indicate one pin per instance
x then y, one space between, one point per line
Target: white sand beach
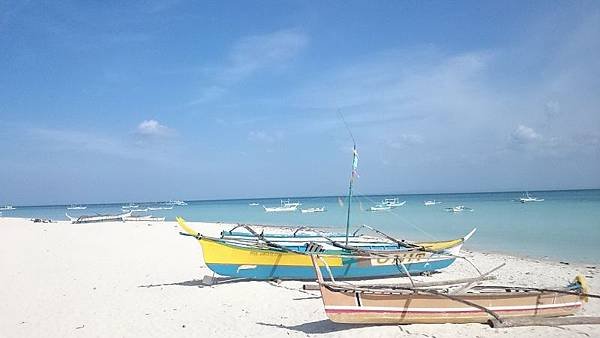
137 279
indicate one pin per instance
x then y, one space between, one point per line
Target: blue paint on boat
347 271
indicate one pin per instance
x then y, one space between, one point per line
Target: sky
106 101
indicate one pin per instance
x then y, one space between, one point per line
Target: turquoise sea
566 226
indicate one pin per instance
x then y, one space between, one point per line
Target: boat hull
265 264
363 308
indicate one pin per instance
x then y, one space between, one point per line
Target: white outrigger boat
77 207
429 203
393 202
7 207
253 204
98 218
177 202
285 205
458 208
311 210
160 208
528 198
130 206
380 207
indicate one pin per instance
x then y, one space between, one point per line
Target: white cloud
153 128
256 52
251 54
525 135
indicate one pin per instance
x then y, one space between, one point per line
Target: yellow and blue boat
260 261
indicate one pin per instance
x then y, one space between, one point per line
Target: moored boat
98 218
284 206
380 207
263 259
311 210
393 202
7 207
76 207
528 198
447 302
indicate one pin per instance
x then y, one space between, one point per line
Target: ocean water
566 226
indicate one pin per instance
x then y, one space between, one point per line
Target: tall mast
354 165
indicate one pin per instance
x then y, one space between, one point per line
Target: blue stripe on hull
265 272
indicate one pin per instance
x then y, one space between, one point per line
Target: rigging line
347 127
391 211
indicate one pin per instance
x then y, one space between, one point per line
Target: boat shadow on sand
321 326
200 283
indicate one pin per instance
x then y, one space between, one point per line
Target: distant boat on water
393 202
284 206
253 204
458 208
160 208
139 210
311 210
177 202
529 198
380 207
7 207
130 206
98 218
429 203
76 207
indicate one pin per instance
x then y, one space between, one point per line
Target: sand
137 279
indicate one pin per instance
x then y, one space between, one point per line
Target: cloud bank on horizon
179 101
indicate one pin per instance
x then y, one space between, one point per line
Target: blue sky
152 100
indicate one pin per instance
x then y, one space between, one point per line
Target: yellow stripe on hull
216 252
220 253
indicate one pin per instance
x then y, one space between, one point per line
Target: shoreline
545 258
144 279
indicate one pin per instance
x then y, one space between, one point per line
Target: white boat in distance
458 208
7 207
130 206
380 207
528 198
176 202
77 207
393 202
311 210
434 202
139 210
161 208
99 218
253 204
284 206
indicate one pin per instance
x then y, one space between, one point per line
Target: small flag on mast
354 163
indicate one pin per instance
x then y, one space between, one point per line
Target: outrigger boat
528 198
312 210
262 259
459 301
76 207
99 218
380 207
393 202
284 206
